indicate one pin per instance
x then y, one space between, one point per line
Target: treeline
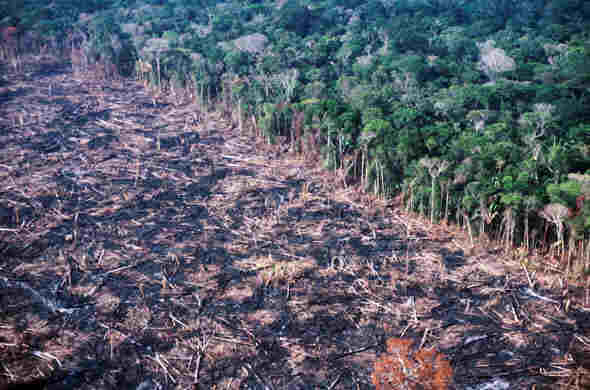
475 111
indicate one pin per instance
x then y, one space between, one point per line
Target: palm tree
435 167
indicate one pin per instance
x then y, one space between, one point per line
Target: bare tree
8 42
539 120
486 216
556 213
435 167
509 225
494 60
530 204
444 193
288 81
364 140
154 49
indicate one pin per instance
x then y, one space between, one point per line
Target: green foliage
397 81
237 61
275 121
295 17
565 192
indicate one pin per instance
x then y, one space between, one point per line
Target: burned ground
143 248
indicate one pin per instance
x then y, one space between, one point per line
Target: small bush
400 368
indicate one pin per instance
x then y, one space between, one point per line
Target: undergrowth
401 368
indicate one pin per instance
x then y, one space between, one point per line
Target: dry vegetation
145 244
400 368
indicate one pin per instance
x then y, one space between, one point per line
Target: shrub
400 368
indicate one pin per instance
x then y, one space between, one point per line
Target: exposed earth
147 245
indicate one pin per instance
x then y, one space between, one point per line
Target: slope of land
144 243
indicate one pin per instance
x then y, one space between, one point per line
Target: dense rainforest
477 112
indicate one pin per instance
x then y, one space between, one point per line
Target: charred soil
144 244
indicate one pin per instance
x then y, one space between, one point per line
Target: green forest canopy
473 109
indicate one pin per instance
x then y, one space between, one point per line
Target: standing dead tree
9 46
556 213
435 167
143 71
288 81
9 43
297 131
